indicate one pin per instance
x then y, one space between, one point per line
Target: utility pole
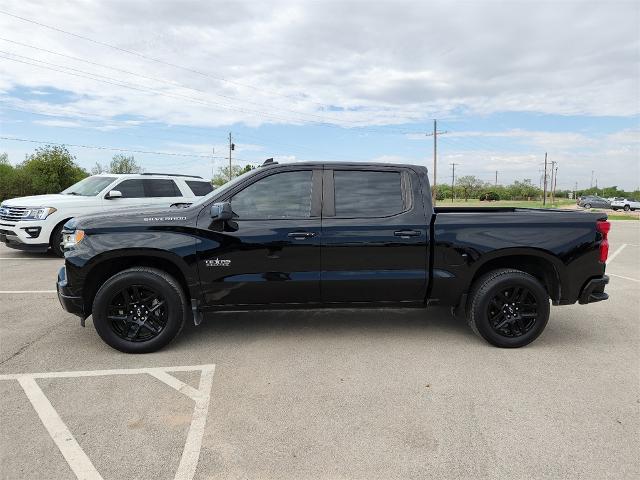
453 178
496 178
213 160
231 148
575 192
555 182
553 168
435 156
544 192
591 186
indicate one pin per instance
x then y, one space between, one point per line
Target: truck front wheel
508 308
139 310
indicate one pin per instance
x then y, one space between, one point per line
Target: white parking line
615 254
29 258
74 455
26 291
622 276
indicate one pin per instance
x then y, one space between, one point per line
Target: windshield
89 187
224 187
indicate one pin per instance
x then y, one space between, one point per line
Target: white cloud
382 62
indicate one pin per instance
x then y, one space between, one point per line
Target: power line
169 82
160 61
101 147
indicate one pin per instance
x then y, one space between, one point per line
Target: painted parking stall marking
77 459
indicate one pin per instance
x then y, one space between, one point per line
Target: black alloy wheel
508 308
137 313
513 311
139 310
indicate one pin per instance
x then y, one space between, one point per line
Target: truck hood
134 216
50 200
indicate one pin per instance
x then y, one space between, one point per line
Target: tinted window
161 188
283 195
131 188
367 194
199 188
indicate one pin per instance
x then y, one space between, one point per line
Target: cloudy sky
358 80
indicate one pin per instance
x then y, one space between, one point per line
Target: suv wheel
587 205
508 308
627 208
139 310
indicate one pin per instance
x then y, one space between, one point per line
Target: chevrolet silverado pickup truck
320 235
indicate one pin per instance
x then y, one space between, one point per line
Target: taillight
603 226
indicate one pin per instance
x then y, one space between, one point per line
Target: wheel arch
55 227
540 264
106 265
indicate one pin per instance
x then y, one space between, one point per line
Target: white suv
626 204
35 223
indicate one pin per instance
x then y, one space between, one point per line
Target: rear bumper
593 291
69 302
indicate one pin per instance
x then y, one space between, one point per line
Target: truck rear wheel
508 308
139 310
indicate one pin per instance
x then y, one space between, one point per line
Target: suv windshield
89 187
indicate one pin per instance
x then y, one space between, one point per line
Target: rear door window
362 194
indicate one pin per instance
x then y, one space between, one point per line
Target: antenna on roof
269 161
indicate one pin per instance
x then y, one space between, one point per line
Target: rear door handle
407 233
301 235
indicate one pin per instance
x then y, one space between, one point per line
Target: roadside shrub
489 196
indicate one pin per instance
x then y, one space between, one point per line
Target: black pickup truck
309 235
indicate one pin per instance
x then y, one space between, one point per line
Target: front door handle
407 233
301 235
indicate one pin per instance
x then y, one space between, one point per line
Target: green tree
124 164
470 186
7 177
50 169
222 176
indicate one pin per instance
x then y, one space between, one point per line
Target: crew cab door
269 254
374 236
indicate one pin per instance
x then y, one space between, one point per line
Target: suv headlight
71 239
37 213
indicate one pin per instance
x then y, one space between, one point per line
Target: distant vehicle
35 223
593 201
627 204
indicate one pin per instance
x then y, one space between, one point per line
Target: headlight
38 213
72 239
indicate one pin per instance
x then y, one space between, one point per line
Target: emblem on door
217 262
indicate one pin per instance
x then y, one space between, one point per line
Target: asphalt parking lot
321 394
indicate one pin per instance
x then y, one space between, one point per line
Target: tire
166 316
56 240
627 208
587 205
522 327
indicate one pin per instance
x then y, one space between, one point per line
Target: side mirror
222 211
113 194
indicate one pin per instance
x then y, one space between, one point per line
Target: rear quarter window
199 189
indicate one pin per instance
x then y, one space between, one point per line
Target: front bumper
15 235
593 291
69 302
